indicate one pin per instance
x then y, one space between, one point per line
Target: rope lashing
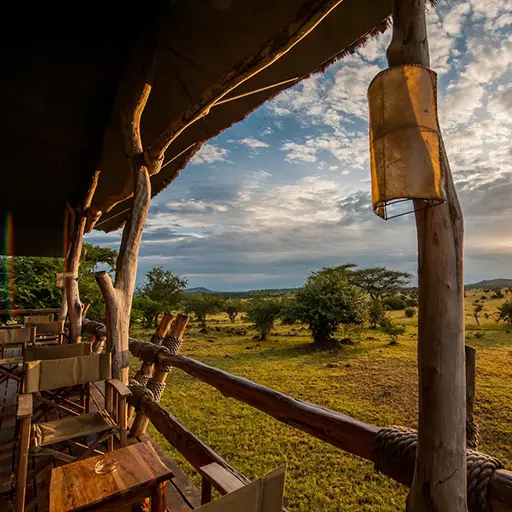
172 343
480 469
472 434
156 339
157 388
394 454
143 378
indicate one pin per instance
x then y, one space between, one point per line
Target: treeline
332 299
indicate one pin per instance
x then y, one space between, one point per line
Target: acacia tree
379 282
201 306
163 288
477 309
329 300
263 313
233 307
505 312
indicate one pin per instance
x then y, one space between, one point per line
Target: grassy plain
371 381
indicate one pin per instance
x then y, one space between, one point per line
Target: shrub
411 303
505 312
329 300
263 313
498 294
392 330
394 303
375 313
410 312
483 297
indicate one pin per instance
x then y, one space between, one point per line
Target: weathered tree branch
440 476
72 264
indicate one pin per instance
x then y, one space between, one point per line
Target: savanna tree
477 309
233 307
201 305
379 282
263 313
505 312
329 300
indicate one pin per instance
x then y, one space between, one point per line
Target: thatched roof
60 120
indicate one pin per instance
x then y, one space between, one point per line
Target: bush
505 312
410 312
328 300
498 294
392 330
263 313
483 297
375 313
394 303
411 303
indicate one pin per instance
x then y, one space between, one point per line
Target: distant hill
198 289
491 283
271 292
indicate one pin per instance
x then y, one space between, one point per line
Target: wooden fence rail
21 312
342 431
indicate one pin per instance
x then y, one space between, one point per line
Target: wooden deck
182 495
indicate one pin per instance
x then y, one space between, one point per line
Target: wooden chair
37 319
63 399
37 439
49 333
11 367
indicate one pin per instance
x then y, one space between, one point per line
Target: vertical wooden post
118 297
73 262
440 475
63 313
141 421
472 431
146 369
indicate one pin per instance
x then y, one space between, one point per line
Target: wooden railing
335 428
21 312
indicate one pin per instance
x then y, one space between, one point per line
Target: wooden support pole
72 264
141 420
63 312
472 431
440 477
146 368
118 297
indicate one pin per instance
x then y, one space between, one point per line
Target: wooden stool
140 474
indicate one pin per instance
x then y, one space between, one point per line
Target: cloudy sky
287 191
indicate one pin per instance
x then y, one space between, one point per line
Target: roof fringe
361 42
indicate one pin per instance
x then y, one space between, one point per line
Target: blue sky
287 190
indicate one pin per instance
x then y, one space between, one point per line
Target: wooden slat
222 479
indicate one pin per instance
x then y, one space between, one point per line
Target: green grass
370 381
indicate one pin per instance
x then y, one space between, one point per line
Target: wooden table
140 474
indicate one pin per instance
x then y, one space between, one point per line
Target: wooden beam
440 476
337 429
193 449
118 297
333 427
72 264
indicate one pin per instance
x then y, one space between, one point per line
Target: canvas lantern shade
404 138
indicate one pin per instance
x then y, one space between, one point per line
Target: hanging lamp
404 139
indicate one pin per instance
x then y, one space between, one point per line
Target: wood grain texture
440 477
76 485
220 477
333 427
72 263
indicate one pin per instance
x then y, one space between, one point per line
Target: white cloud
253 143
209 154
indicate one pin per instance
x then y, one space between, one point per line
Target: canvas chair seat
71 427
